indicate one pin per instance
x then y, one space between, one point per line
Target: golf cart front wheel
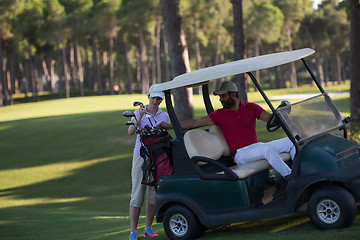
332 207
181 223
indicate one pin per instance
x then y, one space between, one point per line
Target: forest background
65 164
66 48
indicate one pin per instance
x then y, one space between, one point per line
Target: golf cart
208 189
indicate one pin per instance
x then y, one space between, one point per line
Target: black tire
332 207
181 223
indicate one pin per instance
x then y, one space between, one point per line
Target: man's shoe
149 232
133 235
287 178
284 180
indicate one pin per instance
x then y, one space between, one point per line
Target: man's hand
165 125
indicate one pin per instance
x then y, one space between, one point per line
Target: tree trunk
143 62
52 74
128 67
317 59
179 58
3 95
23 79
197 46
218 50
104 62
279 81
153 62
66 73
138 70
196 42
37 80
65 65
166 62
47 75
355 61
326 68
111 61
80 72
257 52
293 78
157 46
10 89
239 46
74 79
88 77
14 76
96 66
338 68
32 80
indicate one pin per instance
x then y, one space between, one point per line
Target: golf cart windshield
311 117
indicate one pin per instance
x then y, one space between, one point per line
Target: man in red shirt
237 120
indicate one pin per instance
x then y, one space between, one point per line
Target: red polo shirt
238 126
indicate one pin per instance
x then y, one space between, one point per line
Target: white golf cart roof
204 75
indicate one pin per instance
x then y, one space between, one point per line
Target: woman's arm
132 128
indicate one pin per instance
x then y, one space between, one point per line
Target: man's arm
265 116
191 123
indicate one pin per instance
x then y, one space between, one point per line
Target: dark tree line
82 47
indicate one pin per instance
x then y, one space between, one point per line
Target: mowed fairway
65 174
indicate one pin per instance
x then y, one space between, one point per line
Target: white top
160 116
204 75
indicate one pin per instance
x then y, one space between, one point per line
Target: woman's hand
165 125
142 110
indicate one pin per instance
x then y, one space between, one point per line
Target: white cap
155 94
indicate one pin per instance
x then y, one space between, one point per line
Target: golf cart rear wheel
181 223
332 207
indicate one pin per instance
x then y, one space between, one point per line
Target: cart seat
247 169
212 144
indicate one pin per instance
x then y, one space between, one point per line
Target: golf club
131 114
149 114
135 104
129 123
128 114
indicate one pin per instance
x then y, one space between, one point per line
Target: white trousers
269 151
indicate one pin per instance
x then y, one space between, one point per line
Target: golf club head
128 114
135 104
148 115
129 123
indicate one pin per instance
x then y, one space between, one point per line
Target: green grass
65 173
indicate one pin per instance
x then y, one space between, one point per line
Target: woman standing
138 189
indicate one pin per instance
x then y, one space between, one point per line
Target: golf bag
156 152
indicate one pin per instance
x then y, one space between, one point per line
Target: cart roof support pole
172 115
261 91
206 97
313 76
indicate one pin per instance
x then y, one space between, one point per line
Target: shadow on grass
99 187
297 226
80 161
78 137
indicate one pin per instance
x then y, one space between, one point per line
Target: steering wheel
273 123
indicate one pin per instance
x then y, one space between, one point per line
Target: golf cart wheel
332 207
181 223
